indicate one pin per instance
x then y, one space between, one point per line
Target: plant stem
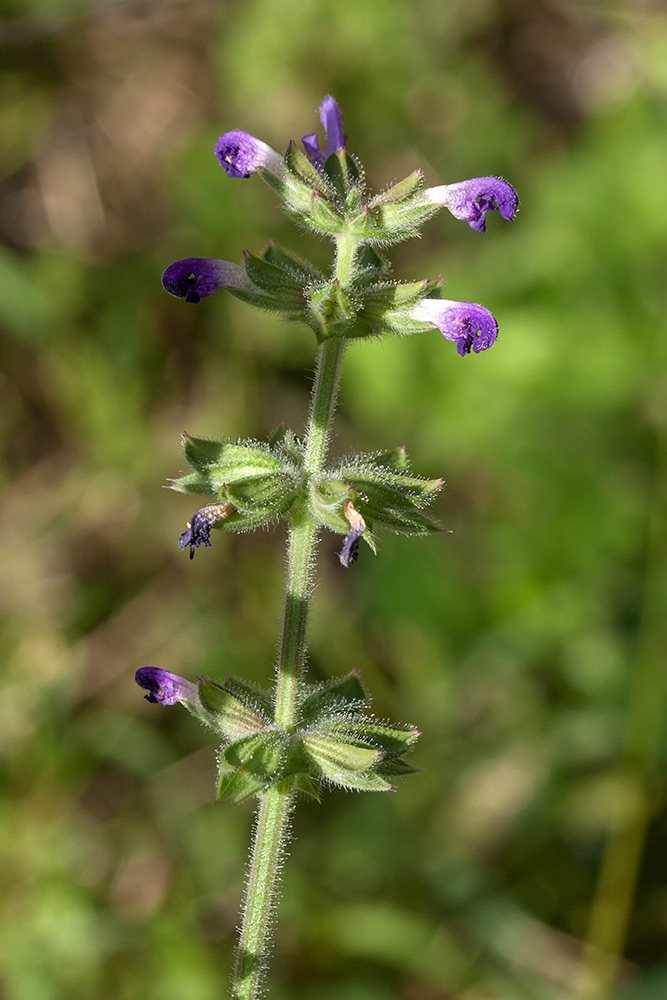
272 826
271 830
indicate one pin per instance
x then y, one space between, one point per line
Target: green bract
266 482
333 741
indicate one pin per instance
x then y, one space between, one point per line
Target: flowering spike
195 278
469 325
165 688
350 549
333 127
471 200
241 154
199 530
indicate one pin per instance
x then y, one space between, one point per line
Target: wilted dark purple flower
195 278
471 200
199 530
241 154
333 127
165 688
466 323
350 549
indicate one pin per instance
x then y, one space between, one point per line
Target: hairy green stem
272 826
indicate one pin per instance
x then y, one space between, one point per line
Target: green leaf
400 191
380 478
228 461
392 740
274 280
233 717
194 484
383 496
300 167
332 308
275 254
341 694
393 767
238 787
269 497
333 755
394 221
302 782
260 755
369 267
344 175
288 447
327 497
396 459
255 697
403 521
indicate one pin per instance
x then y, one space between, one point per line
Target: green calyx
333 741
262 481
382 489
267 482
333 199
369 306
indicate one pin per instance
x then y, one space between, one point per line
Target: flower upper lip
333 127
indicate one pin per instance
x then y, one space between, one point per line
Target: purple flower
195 278
333 127
165 688
350 549
466 323
241 154
199 530
471 200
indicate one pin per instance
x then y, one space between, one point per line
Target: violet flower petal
195 278
471 200
333 127
350 549
348 554
199 530
165 688
241 154
312 148
469 325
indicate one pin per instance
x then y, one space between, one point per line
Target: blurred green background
528 645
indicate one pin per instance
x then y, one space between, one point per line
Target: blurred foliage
528 645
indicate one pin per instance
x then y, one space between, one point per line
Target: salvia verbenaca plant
298 737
